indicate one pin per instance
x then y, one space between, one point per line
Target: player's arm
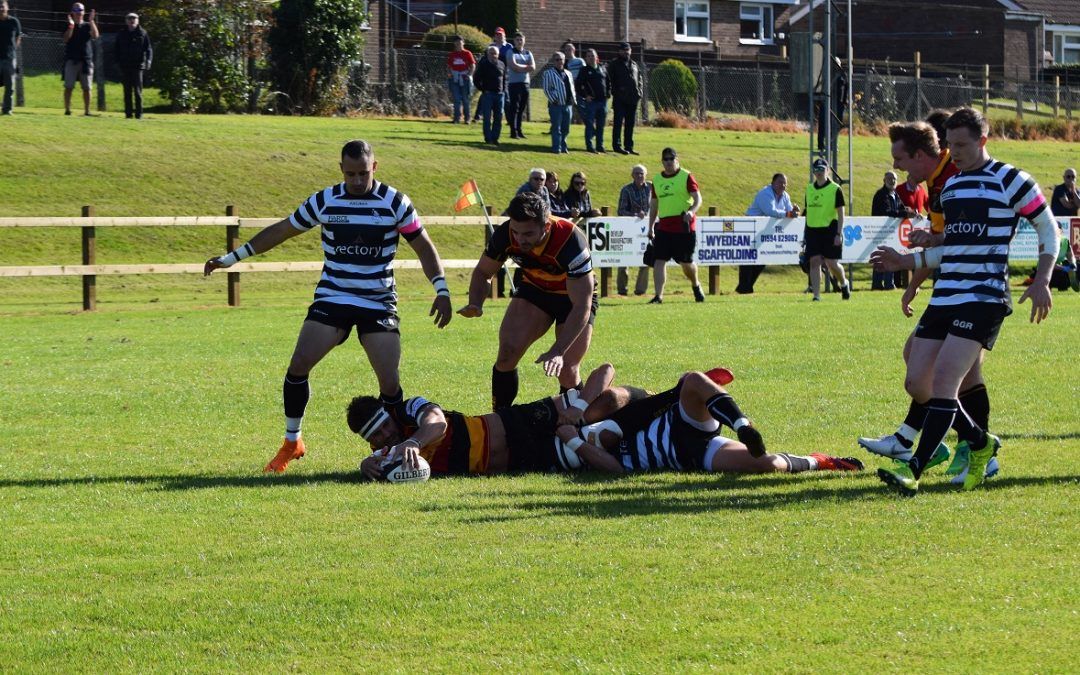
888 259
596 458
433 270
70 30
918 277
266 239
431 427
580 290
1039 290
94 32
480 286
573 407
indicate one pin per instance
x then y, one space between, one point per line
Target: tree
312 43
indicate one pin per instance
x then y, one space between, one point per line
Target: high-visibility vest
821 204
672 197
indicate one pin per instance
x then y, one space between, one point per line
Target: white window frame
683 7
759 14
1066 41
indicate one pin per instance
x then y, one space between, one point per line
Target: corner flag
468 195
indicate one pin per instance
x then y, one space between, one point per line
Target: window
1067 48
692 21
755 24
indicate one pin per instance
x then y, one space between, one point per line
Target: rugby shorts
347 316
821 241
978 321
556 305
677 246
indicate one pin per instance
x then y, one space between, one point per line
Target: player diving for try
361 220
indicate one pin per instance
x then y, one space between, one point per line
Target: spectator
134 54
577 198
771 201
520 64
593 90
504 48
634 203
824 229
10 37
672 216
1066 201
559 89
886 203
490 79
626 87
574 63
79 55
913 195
556 196
461 65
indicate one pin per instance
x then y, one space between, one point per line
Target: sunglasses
536 178
668 159
578 183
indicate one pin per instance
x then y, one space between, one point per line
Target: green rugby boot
960 459
900 479
979 460
940 456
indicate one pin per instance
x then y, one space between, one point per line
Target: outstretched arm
580 291
479 286
433 270
266 239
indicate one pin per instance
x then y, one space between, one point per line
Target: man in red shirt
461 64
913 195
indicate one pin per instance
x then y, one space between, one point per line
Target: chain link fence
42 53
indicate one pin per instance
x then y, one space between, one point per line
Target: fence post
644 72
232 242
99 75
1019 96
605 272
918 85
500 276
986 88
89 257
760 87
714 270
20 95
1057 95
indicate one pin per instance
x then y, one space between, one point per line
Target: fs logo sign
599 236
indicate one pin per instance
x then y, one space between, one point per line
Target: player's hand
409 451
921 238
552 363
905 300
571 416
886 259
838 239
211 265
442 310
471 311
1041 301
371 466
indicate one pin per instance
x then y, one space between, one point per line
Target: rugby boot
940 456
699 296
887 446
960 460
289 451
901 479
980 460
830 463
720 375
993 468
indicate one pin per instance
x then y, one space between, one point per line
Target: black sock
296 393
392 400
579 386
796 463
967 430
725 411
976 401
504 388
916 415
940 413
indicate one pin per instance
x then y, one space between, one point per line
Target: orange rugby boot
720 375
289 451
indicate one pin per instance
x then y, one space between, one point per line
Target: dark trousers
132 80
623 118
7 80
519 97
748 275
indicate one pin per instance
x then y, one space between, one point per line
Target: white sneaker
887 446
992 469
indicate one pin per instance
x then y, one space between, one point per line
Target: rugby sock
725 411
940 413
976 401
295 392
504 388
968 431
392 400
577 387
798 463
912 424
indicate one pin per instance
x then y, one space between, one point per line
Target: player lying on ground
626 430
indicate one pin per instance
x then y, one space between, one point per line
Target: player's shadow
192 482
1041 437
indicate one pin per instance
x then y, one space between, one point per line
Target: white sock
292 428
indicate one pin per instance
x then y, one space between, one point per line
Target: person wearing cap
672 216
10 37
134 54
79 55
824 228
626 88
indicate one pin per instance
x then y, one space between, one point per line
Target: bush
312 43
441 38
672 87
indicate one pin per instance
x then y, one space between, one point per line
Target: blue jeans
595 116
560 126
491 108
461 92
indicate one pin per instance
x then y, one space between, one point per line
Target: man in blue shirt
771 201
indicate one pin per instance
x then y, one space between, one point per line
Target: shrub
441 38
672 87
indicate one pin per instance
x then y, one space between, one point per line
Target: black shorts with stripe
978 321
347 316
556 305
530 434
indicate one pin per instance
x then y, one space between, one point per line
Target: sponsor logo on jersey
978 229
354 249
337 219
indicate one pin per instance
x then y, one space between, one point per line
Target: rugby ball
394 472
567 458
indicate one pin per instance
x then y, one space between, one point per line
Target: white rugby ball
394 472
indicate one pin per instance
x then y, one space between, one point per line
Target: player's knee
917 389
697 381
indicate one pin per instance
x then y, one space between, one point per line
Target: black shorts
821 241
530 435
347 316
555 305
978 321
677 246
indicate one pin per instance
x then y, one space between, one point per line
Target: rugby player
983 204
361 220
626 431
556 287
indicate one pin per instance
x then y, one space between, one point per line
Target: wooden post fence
232 242
89 257
605 272
714 270
986 89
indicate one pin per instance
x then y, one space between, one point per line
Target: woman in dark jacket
577 198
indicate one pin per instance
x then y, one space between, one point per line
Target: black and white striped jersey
668 443
359 241
982 210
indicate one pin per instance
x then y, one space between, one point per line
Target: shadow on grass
195 482
1041 437
504 146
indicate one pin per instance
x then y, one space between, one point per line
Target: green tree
442 38
311 45
672 87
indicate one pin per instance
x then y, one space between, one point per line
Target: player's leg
733 457
918 379
383 349
659 280
705 400
815 276
523 324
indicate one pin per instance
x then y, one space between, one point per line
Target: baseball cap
624 45
820 165
78 7
500 30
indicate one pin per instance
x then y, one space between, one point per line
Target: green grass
47 91
140 535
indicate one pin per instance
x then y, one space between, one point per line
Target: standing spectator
555 196
824 229
134 54
1065 200
886 203
634 202
461 65
502 48
10 37
626 87
577 198
914 196
672 217
559 89
771 201
574 63
593 89
490 78
520 64
79 55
